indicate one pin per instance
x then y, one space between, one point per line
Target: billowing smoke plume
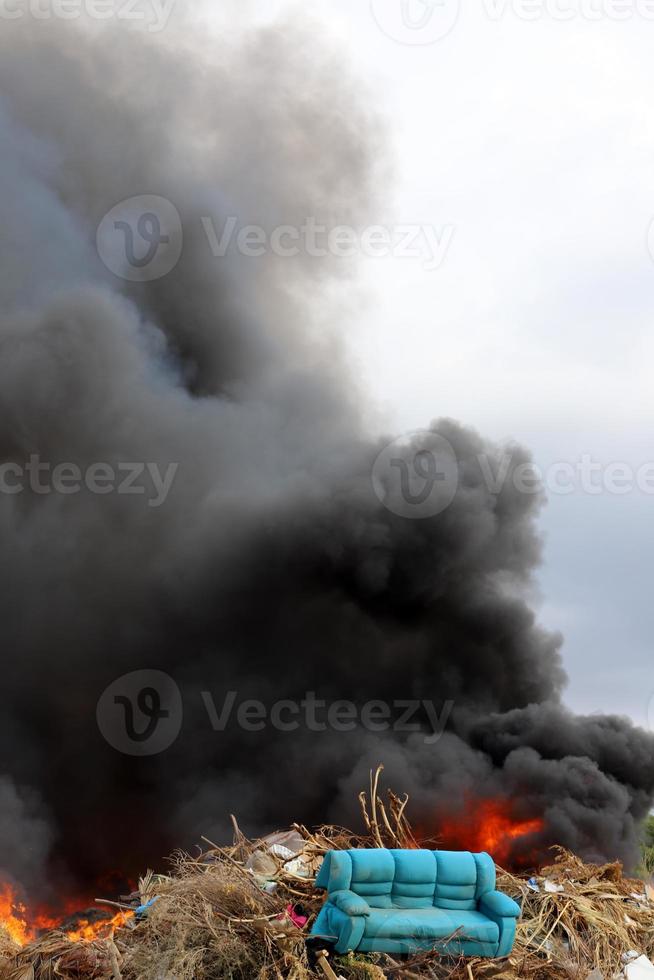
269 568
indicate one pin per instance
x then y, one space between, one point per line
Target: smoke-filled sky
270 552
532 136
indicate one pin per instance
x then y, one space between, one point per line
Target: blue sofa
403 901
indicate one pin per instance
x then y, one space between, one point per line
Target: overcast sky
525 136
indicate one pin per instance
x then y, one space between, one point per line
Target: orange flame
23 927
88 931
489 825
13 917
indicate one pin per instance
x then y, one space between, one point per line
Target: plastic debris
296 914
286 844
261 865
554 889
143 910
639 969
298 866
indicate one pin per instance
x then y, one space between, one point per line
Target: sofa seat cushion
429 924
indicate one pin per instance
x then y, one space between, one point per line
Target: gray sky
528 131
535 141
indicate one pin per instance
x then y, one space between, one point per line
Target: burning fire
23 927
489 825
88 931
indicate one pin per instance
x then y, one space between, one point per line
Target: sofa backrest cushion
415 879
486 876
456 880
336 871
461 878
373 871
409 878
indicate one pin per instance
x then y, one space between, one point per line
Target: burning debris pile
243 913
273 569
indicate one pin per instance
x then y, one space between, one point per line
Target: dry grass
8 948
212 920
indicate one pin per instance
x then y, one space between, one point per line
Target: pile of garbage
582 921
240 912
244 912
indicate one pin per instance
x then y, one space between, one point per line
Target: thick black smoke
271 569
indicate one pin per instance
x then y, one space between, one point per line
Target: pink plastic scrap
298 920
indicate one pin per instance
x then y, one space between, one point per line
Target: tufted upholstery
414 899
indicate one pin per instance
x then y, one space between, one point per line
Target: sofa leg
324 964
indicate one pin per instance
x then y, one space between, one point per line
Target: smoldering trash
243 912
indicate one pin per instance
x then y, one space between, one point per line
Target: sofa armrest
500 905
349 902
